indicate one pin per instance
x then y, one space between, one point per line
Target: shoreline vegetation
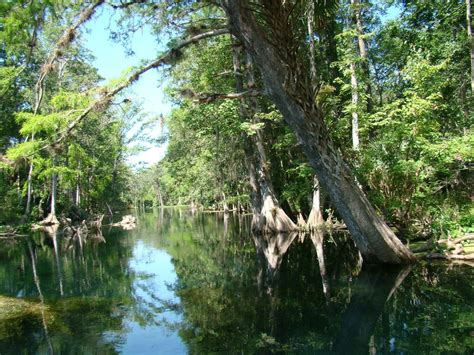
459 249
301 113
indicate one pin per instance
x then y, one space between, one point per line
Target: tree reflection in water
231 293
372 289
72 292
283 302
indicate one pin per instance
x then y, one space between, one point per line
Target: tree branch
67 37
209 97
168 58
124 5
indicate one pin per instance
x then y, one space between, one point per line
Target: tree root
50 220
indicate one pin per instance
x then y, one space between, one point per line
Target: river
201 283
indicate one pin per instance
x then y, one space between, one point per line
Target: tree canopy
269 98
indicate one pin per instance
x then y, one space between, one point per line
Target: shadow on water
201 283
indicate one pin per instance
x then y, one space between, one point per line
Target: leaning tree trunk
286 85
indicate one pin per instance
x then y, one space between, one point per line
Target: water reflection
271 248
317 237
372 289
184 283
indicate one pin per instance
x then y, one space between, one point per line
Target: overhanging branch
168 58
210 97
67 37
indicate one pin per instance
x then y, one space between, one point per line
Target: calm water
202 284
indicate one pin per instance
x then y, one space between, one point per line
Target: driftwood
128 222
10 235
446 256
453 249
450 243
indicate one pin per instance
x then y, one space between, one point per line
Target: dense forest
299 112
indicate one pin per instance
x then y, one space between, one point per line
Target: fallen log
444 256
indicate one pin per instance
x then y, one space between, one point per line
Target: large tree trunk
275 219
268 216
255 195
255 199
286 85
315 217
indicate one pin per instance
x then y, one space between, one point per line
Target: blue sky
111 60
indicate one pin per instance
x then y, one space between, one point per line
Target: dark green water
196 284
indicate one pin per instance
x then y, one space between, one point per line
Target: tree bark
267 215
285 83
29 190
255 199
315 217
355 105
363 52
275 219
